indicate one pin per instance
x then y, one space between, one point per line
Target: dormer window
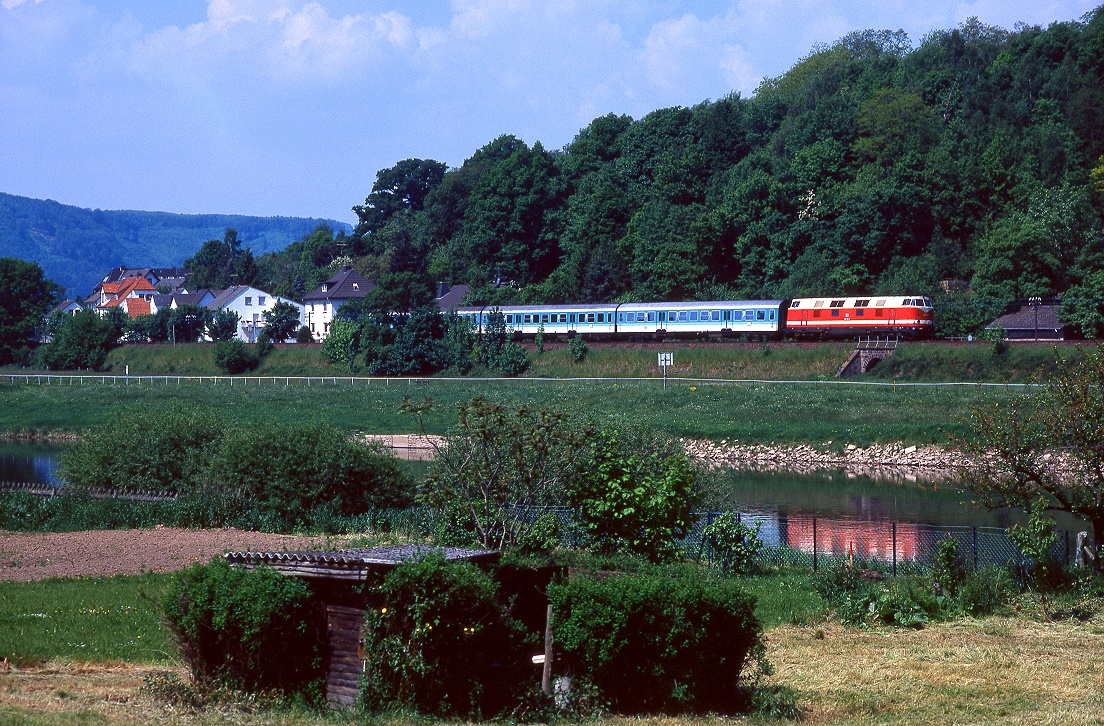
325 287
356 285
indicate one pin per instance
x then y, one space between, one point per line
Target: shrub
639 504
293 472
441 642
985 591
223 325
578 349
651 644
735 544
948 567
304 335
342 343
247 630
150 450
81 341
234 356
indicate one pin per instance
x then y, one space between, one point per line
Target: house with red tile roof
134 295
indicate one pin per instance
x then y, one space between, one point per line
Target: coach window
682 316
760 314
773 313
641 317
693 316
651 317
716 315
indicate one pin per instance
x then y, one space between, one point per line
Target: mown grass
86 619
813 413
972 362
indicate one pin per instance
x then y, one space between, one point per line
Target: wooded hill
873 165
76 247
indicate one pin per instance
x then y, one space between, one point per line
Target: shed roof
352 564
1022 317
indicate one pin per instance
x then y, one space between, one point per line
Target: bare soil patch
102 553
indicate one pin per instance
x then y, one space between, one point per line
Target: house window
356 285
325 287
260 300
249 301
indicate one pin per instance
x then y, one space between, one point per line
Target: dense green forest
77 246
966 167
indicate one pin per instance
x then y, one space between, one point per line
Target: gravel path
98 553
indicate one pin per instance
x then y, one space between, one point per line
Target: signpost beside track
665 360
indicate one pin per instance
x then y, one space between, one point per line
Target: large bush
80 341
633 500
654 644
290 472
150 450
441 642
234 356
247 630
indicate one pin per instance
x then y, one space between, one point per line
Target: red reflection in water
869 539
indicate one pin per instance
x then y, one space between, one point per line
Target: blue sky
286 107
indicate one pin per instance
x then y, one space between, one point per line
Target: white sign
666 359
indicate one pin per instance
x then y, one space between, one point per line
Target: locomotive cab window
795 304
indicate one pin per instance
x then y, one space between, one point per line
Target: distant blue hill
76 247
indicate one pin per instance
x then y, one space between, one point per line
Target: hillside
77 246
967 166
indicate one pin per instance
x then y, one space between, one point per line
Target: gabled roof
345 285
127 286
136 306
66 303
225 297
1022 317
451 298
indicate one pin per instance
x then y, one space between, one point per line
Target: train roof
685 305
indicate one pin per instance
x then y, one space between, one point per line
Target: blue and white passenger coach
753 318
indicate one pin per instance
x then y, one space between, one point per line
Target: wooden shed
336 578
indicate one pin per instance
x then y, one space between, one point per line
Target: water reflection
34 463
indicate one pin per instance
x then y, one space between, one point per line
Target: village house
133 295
320 306
251 305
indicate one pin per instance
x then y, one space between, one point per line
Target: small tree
81 341
1046 446
281 321
342 344
223 325
578 348
640 503
496 463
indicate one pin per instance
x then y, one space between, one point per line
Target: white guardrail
75 379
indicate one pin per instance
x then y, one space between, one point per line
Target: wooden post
546 671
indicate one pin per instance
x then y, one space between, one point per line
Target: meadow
816 412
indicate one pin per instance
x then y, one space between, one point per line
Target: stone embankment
892 460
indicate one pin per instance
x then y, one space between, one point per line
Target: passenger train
800 318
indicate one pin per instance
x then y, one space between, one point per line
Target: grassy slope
749 412
911 362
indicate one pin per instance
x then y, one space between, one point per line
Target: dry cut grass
998 670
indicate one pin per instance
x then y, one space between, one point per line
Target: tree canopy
25 296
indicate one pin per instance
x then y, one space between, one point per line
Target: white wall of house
318 315
251 306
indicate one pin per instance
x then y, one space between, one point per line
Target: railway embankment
887 460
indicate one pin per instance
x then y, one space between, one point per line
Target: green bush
303 335
293 473
652 644
150 450
441 642
948 567
234 356
985 591
578 349
640 503
81 341
735 544
247 630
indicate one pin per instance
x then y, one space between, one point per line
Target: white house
321 304
251 305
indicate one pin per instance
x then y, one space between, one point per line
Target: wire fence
81 379
816 542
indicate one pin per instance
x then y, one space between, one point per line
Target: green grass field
94 619
813 413
911 362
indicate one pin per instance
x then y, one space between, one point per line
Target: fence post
975 547
895 549
814 545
